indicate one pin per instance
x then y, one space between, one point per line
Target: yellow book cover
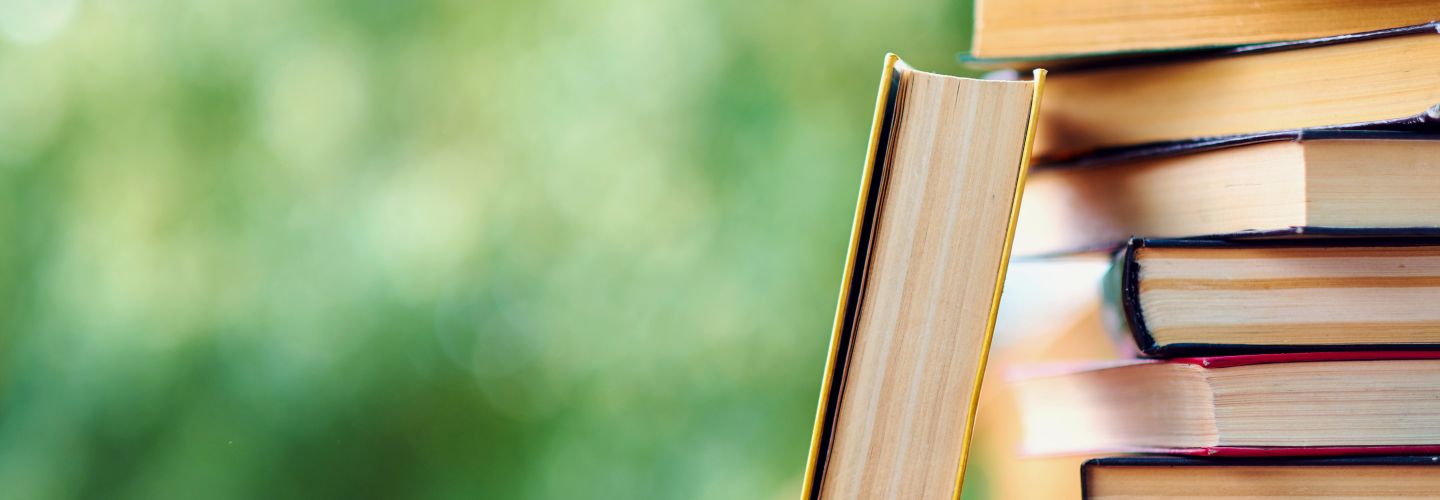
939 198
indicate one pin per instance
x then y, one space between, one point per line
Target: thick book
1307 183
1384 79
1020 32
939 196
1296 404
1134 477
1208 297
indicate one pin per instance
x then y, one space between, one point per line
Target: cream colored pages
1046 29
929 293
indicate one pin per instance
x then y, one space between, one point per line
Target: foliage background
428 248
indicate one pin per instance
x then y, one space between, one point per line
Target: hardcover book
1313 183
1298 404
938 202
1405 476
1384 79
1204 298
1020 32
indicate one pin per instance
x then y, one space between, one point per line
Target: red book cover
1298 451
1301 357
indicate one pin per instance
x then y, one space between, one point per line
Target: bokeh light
431 248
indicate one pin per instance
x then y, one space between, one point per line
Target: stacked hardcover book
1266 176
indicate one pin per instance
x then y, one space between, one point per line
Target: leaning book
939 197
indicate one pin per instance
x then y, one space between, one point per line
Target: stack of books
1266 177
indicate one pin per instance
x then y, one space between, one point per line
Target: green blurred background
428 249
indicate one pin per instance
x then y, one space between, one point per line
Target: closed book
1135 477
1031 32
939 196
1332 182
1383 79
1168 298
1292 404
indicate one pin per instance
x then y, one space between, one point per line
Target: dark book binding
1421 127
1125 318
1160 461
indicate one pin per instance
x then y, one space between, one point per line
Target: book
938 201
1297 404
1404 476
1203 298
1314 182
1378 79
1030 31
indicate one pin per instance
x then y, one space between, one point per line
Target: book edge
883 105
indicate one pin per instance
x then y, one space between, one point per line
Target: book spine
1123 318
